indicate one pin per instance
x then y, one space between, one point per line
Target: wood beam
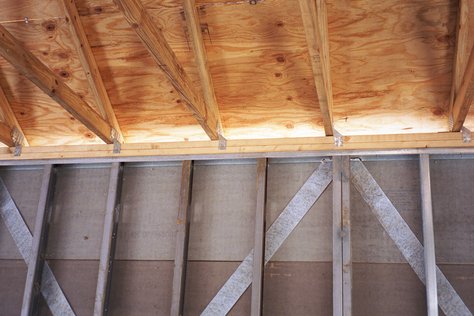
89 64
251 148
463 46
155 42
10 120
465 96
200 55
31 67
314 14
6 135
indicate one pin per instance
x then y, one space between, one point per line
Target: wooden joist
314 14
5 135
153 39
194 30
251 148
89 64
465 96
31 67
10 122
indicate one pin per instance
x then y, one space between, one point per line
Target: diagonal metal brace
278 232
23 238
404 238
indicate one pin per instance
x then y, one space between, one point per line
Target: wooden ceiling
278 69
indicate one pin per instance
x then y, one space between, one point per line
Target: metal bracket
466 135
222 142
18 138
338 139
117 141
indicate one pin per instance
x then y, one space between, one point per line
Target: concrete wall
298 280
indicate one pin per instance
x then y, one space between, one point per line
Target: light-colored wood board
194 31
315 21
391 65
391 68
248 67
9 118
153 39
6 135
251 147
464 43
15 52
89 64
469 36
16 11
43 120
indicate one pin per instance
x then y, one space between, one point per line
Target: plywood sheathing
391 64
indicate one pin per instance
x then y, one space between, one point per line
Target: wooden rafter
154 41
32 68
89 64
5 135
200 55
461 99
465 96
314 16
11 122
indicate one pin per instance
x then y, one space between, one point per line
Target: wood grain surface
391 68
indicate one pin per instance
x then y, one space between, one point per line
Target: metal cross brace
404 238
278 232
23 238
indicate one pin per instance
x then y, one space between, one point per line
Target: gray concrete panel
150 200
222 212
387 289
312 238
400 182
12 284
24 187
77 217
204 279
141 288
453 209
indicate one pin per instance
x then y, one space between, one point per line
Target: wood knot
98 9
49 26
280 59
64 74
